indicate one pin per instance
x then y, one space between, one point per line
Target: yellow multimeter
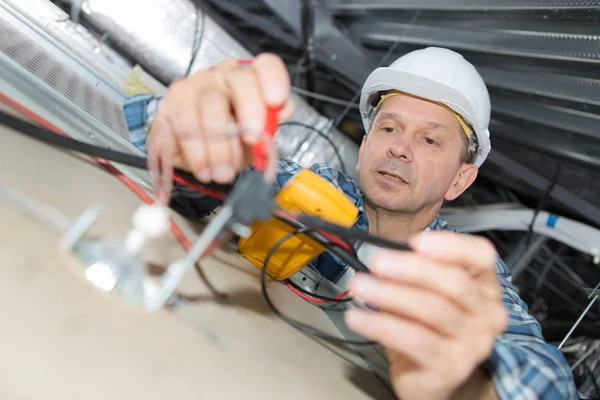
304 193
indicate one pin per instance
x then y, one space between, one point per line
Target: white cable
44 212
572 233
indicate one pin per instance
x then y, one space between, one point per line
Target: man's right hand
207 122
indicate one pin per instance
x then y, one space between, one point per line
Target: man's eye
388 129
430 141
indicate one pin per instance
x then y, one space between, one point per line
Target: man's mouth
392 177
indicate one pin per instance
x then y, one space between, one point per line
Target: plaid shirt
522 364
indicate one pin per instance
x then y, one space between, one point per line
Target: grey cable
44 212
381 62
318 96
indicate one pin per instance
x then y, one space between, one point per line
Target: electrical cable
323 97
333 248
296 324
307 295
543 202
49 135
350 104
324 136
197 38
54 217
44 212
348 233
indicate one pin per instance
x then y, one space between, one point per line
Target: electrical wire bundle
333 237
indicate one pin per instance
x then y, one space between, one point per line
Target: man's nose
402 147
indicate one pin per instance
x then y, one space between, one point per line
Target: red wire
185 243
311 298
198 188
179 235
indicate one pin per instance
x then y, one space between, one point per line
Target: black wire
197 38
350 233
296 324
543 202
350 259
317 296
50 137
324 136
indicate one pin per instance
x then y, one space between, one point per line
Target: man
450 320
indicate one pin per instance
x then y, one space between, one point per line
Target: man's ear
360 151
464 178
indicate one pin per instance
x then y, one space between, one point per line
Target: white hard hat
439 75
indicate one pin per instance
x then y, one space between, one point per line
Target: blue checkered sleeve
522 364
139 111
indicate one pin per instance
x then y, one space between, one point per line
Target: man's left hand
440 312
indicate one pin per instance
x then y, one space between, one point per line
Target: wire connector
149 222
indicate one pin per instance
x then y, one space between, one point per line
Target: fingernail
355 317
426 243
362 285
274 93
223 173
384 261
203 175
252 129
232 129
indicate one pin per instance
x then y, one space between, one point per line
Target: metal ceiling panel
515 42
558 86
580 122
460 5
62 79
332 47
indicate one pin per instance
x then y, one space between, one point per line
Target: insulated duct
575 234
69 43
162 35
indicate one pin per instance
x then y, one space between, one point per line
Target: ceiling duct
163 36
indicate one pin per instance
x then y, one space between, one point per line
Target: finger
287 111
214 76
183 116
409 338
273 78
236 147
272 164
219 131
160 149
473 252
418 271
166 181
248 103
425 307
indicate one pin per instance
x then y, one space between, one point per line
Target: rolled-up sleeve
522 365
139 111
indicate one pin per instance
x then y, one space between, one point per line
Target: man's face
411 158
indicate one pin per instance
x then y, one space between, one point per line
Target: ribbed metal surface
460 5
558 46
580 152
558 86
62 79
550 115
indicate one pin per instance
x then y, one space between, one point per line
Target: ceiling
541 62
